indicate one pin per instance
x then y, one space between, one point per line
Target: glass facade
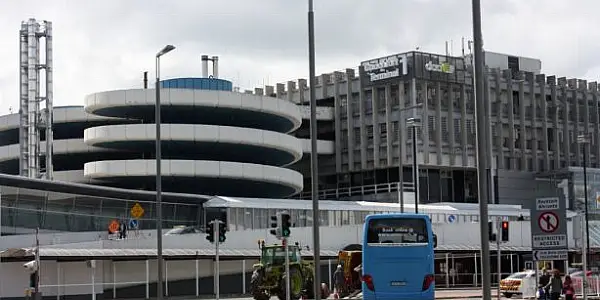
593 188
213 84
23 210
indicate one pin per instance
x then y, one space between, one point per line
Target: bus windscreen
397 231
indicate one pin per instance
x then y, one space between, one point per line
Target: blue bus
398 259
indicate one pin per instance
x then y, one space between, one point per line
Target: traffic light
210 232
275 225
222 231
286 223
504 233
491 233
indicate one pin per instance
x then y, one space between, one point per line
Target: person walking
338 280
555 285
568 288
543 282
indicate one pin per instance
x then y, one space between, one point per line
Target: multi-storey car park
215 141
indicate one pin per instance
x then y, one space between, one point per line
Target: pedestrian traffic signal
286 223
491 233
504 233
222 231
210 232
275 225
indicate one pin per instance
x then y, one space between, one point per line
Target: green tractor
268 278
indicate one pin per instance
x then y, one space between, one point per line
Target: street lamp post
314 165
159 257
585 139
400 158
414 123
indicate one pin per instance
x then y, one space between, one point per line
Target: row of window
259 218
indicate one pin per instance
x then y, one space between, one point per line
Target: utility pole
481 150
313 147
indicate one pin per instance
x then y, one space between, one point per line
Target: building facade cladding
535 121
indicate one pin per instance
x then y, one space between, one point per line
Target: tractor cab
275 255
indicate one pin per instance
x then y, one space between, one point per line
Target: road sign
137 211
598 200
113 226
451 218
548 227
133 224
548 222
541 255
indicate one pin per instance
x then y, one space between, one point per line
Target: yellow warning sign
137 211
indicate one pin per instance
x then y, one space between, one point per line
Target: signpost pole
217 270
287 268
499 253
584 257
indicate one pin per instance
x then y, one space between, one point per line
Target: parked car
513 284
183 230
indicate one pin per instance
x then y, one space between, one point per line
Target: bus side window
434 240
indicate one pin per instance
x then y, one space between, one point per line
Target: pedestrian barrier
593 285
593 288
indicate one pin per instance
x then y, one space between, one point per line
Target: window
368 101
370 133
445 133
431 128
380 99
344 105
394 96
396 230
356 136
457 131
383 133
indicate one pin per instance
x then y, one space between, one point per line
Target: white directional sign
549 241
548 229
550 255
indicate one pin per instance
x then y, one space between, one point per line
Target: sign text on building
385 67
442 67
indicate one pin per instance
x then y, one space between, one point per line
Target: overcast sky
105 45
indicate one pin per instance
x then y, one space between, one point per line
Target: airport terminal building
535 122
220 141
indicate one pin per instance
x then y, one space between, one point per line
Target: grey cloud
102 45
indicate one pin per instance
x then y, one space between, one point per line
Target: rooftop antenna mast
33 119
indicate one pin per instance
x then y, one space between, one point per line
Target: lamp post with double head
414 123
159 257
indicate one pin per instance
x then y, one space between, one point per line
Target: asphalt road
440 294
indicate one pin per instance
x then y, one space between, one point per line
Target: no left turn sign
548 222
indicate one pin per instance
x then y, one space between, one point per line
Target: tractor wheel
296 285
255 289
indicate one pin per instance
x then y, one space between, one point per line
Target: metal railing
362 190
